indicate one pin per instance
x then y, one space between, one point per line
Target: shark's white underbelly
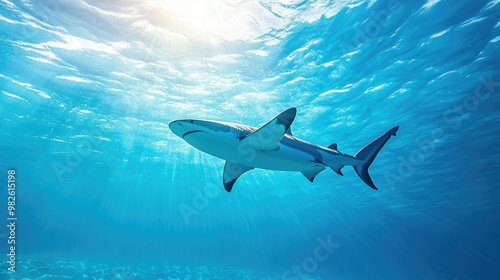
285 159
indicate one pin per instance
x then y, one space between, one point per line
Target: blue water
106 191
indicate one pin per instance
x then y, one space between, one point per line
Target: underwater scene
250 139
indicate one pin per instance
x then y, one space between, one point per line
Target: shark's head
208 136
190 128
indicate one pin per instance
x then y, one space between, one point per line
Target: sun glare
212 19
197 13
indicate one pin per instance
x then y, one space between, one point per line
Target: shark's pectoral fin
310 174
267 138
232 171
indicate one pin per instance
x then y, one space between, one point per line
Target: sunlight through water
106 190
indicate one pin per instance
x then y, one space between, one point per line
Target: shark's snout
178 128
183 128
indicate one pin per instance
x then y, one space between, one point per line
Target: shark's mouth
189 132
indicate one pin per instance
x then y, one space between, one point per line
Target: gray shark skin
273 147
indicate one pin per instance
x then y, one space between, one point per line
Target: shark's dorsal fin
267 137
289 131
333 147
232 171
310 174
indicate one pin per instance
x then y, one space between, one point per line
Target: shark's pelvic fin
338 169
232 171
267 138
368 154
310 174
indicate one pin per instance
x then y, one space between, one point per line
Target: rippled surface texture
106 191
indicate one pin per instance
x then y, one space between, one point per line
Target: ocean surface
104 189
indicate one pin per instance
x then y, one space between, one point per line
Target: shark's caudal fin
368 154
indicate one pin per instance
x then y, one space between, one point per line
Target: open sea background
106 191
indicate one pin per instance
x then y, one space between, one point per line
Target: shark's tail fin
368 154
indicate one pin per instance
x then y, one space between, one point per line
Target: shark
273 147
